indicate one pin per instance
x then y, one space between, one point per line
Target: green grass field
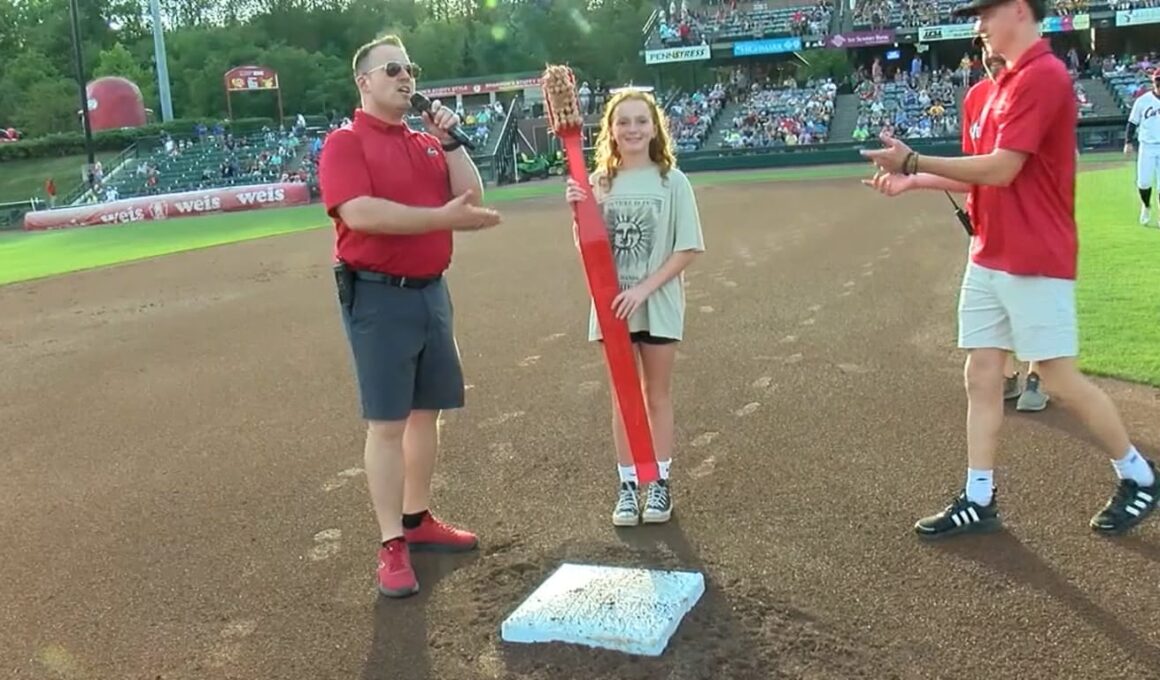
1119 311
24 179
1118 315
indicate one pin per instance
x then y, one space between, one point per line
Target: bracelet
452 146
910 165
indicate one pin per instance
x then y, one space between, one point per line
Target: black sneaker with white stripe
961 516
1129 506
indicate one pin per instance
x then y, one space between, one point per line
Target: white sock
980 486
1133 466
627 473
663 466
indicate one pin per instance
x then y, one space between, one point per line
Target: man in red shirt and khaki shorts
1030 396
1018 292
396 195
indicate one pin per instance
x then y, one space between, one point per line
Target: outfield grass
24 179
1119 281
25 256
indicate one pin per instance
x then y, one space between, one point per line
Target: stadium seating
692 115
478 122
720 22
803 19
774 117
904 13
914 13
1127 79
188 165
929 110
1086 106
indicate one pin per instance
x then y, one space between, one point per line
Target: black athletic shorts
646 338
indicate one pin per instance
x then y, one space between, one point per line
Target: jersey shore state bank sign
672 55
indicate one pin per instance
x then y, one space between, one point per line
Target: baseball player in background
1144 126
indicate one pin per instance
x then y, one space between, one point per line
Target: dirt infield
180 492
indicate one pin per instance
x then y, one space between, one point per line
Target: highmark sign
672 55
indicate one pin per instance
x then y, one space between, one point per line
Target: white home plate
628 610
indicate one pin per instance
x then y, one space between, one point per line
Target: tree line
308 42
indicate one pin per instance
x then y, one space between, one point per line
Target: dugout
485 90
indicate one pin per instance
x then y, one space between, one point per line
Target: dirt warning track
181 493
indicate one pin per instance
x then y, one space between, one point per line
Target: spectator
691 116
773 117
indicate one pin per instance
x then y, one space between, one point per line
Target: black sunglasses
394 68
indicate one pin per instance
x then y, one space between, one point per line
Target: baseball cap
974 7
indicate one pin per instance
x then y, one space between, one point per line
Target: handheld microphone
422 105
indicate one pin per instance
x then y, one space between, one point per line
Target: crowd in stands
208 158
904 13
1128 76
680 25
691 116
478 122
907 106
783 115
914 13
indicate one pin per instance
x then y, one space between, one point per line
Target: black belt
396 281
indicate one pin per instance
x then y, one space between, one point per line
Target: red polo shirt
1028 227
973 103
371 157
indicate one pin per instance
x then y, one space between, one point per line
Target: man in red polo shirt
396 195
1018 292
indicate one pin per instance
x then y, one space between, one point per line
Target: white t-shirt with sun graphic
648 219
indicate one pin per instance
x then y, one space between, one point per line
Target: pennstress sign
672 55
188 204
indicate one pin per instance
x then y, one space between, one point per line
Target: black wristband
452 145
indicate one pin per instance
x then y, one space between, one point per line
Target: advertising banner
188 204
861 39
1052 24
750 48
672 55
946 32
481 88
1057 24
1135 17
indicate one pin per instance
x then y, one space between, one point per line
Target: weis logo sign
199 205
122 216
264 196
190 204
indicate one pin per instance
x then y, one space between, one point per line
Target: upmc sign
675 54
151 208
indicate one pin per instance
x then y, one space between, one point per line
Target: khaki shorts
1033 316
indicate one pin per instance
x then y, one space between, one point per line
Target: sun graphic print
632 227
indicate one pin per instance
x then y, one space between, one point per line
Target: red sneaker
432 535
396 577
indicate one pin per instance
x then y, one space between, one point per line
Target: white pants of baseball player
1147 166
1032 316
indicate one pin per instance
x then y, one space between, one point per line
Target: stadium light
76 37
161 62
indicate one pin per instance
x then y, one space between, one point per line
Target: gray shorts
1033 316
404 351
